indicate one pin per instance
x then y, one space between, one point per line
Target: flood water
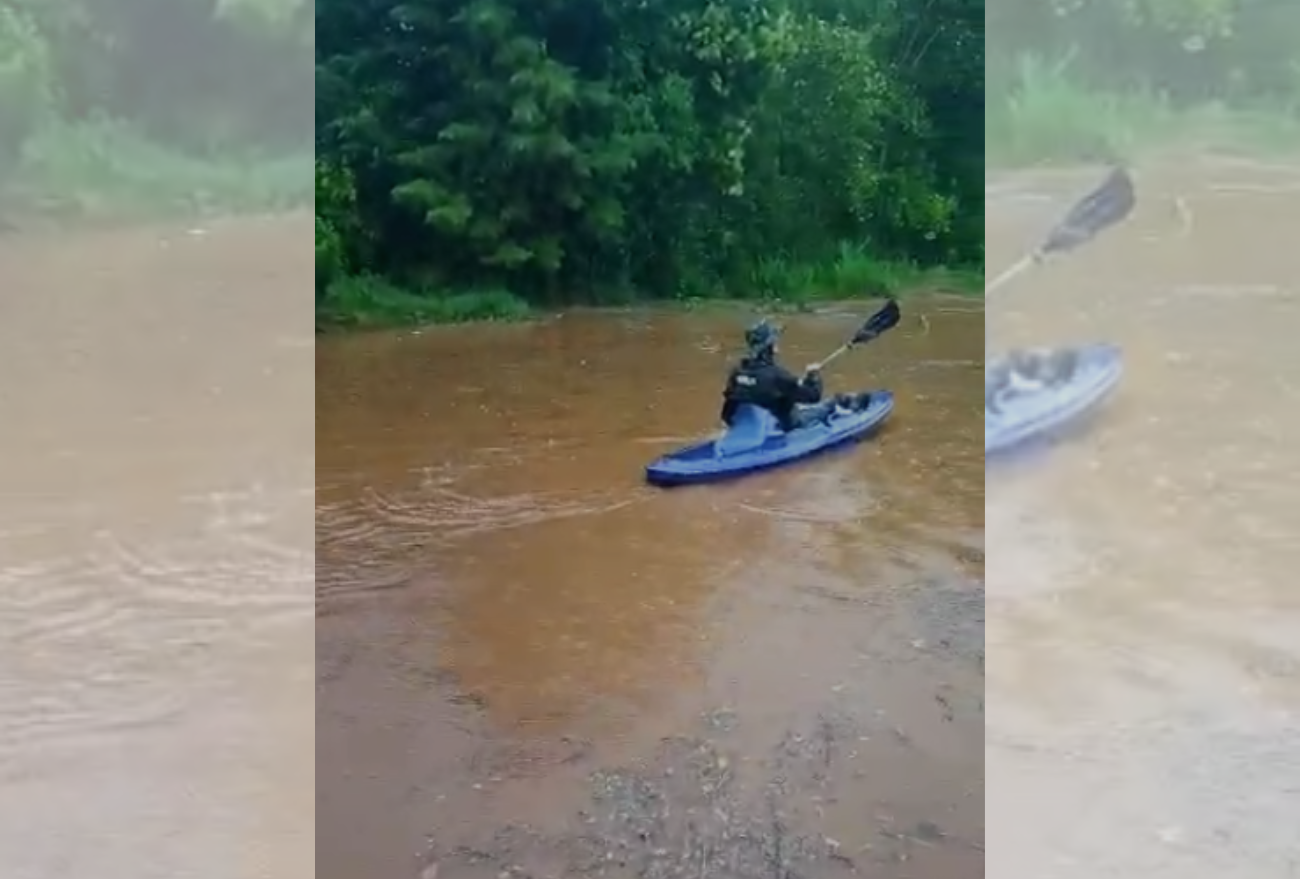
155 553
530 664
1145 674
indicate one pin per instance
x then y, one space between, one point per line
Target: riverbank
368 303
1045 116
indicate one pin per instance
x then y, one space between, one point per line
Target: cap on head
762 337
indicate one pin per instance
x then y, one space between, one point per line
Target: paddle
1107 205
884 319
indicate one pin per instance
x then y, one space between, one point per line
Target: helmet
761 338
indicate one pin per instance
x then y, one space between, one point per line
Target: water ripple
373 542
96 638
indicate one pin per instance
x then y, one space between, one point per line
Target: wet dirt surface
531 665
1144 681
155 553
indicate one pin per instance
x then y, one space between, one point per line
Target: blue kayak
755 442
1031 394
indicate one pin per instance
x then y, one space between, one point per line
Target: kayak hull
1075 382
711 461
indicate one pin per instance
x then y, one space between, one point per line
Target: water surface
1145 669
528 660
155 554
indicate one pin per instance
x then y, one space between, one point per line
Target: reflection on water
1142 637
504 607
154 555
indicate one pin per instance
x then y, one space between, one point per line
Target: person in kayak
760 380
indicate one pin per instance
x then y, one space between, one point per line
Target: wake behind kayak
755 443
1032 394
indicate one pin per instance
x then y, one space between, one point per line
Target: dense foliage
117 97
592 148
1242 51
1107 79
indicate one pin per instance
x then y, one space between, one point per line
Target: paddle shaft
1111 203
1023 265
837 353
834 355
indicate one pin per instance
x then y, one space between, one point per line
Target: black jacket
765 383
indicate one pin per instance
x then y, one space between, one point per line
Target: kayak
1031 394
755 442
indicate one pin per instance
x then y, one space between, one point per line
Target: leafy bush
104 168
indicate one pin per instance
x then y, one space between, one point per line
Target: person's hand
812 369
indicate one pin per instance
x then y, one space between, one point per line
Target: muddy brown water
1144 680
155 553
530 664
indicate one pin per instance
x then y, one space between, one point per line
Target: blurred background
157 449
1142 678
146 106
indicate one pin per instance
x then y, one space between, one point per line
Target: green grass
1043 115
854 273
367 303
104 170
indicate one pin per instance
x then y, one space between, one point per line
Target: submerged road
529 664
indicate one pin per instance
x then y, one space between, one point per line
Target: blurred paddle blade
1106 206
884 319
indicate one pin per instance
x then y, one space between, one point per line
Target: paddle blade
884 319
1106 206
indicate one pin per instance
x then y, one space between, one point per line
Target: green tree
575 147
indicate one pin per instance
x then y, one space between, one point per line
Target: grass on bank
368 302
853 274
1042 114
103 170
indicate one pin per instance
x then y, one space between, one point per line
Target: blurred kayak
1032 394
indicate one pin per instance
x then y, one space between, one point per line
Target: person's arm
807 390
812 387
